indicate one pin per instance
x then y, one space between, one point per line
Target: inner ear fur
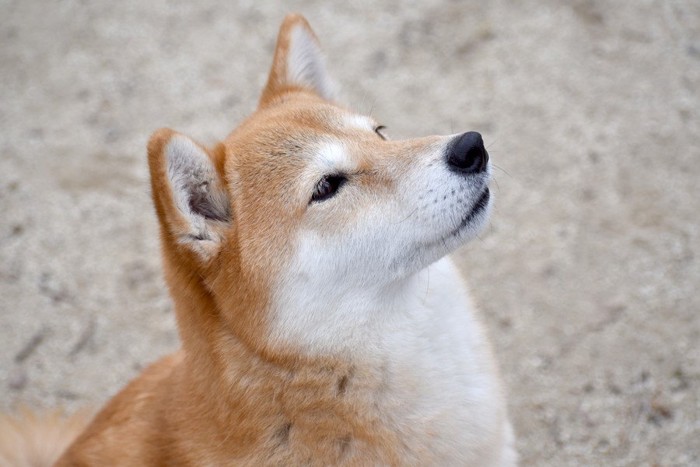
188 191
298 63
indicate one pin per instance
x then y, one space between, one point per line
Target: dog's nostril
467 154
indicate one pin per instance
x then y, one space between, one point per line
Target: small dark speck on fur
282 435
342 385
344 445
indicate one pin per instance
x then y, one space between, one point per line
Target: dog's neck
255 400
246 397
215 350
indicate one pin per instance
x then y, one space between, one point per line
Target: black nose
467 154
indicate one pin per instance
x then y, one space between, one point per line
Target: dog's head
307 212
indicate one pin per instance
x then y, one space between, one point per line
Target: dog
322 322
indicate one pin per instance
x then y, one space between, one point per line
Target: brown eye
380 131
327 187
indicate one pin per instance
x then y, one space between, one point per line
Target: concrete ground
587 276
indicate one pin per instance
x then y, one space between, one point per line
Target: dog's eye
380 131
327 187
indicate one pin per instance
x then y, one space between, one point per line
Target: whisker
501 169
407 217
372 106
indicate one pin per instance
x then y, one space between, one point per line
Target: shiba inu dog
321 321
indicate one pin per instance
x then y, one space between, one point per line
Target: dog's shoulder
123 428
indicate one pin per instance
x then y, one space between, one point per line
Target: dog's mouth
467 227
478 208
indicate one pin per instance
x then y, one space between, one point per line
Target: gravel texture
587 276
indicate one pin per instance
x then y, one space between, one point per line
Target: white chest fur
440 387
443 379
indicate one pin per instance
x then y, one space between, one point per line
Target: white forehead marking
359 121
332 156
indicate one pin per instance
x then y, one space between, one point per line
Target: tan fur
230 396
31 440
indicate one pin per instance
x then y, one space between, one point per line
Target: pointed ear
191 200
298 62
